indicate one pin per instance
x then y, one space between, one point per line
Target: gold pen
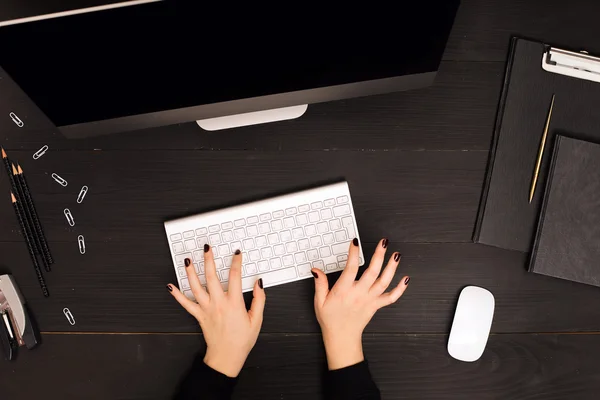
538 163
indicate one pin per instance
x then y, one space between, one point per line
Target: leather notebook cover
567 243
506 219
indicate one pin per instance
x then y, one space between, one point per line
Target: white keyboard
281 238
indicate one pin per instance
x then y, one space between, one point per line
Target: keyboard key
199 267
175 237
239 222
329 203
312 255
224 249
227 236
276 263
340 248
178 247
237 245
316 241
278 214
227 225
252 220
326 213
348 223
340 236
288 260
343 257
270 278
325 251
263 265
265 217
182 272
304 208
248 244
239 233
322 227
190 245
297 233
342 264
328 238
313 216
214 228
254 255
219 263
291 247
199 256
289 222
290 211
341 210
331 267
335 224
304 269
279 249
188 294
300 257
188 234
273 238
201 231
264 228
227 261
302 219
185 284
180 259
266 252
285 236
215 251
342 199
303 244
251 269
316 205
277 225
319 264
252 230
202 241
310 230
261 241
214 239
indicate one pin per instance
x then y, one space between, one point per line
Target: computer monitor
169 62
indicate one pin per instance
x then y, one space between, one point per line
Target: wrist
223 362
343 351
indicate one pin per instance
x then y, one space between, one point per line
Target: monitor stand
252 118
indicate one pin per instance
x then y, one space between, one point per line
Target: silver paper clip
69 216
40 152
69 316
81 242
82 194
16 119
60 180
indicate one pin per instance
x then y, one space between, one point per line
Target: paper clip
16 119
81 242
60 180
69 216
40 152
82 194
69 316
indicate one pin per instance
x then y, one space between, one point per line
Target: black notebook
567 242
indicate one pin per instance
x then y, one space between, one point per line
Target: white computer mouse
472 323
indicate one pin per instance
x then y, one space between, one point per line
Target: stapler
16 325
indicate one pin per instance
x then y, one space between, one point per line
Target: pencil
538 162
45 250
8 169
36 266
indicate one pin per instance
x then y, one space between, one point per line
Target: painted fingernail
206 248
237 252
314 274
170 288
187 262
355 241
384 243
260 283
397 256
407 280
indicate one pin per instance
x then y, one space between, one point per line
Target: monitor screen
167 55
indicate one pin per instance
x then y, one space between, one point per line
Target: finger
197 289
257 307
391 297
212 280
321 286
387 275
186 303
370 275
349 274
235 276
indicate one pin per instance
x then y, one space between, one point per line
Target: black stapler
16 325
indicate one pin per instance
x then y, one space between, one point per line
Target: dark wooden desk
415 162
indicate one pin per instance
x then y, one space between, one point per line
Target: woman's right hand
344 311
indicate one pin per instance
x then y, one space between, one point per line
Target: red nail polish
397 257
355 241
384 243
260 283
407 280
314 274
170 288
237 252
206 248
187 262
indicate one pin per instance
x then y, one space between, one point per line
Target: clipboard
535 72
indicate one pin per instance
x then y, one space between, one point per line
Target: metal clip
60 180
81 241
577 65
69 216
16 119
82 194
69 316
40 152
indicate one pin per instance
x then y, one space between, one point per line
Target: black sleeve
203 382
351 383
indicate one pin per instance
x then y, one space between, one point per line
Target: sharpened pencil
538 162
